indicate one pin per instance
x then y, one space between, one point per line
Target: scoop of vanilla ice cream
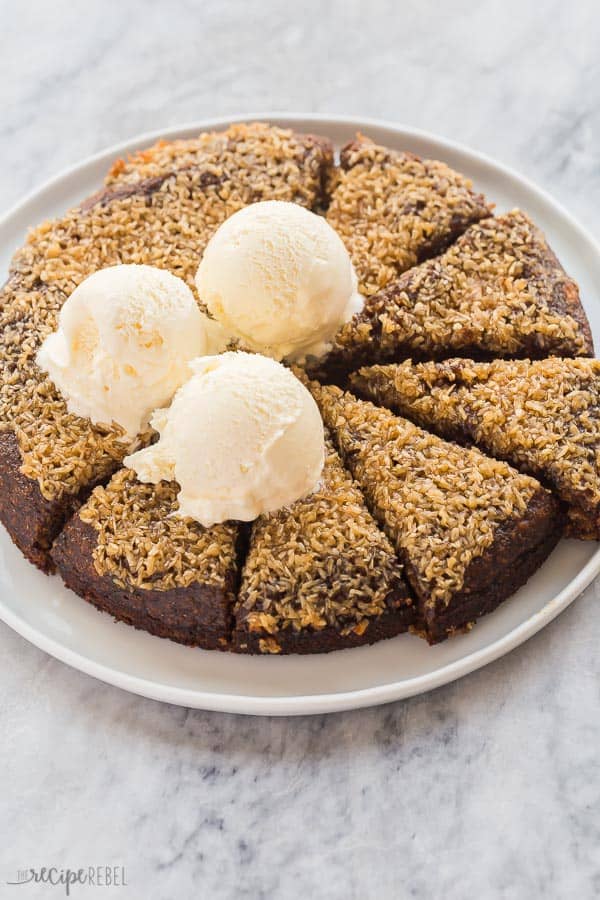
124 339
280 279
242 437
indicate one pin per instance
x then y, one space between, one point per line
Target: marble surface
487 788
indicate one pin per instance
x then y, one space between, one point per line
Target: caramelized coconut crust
542 416
142 545
159 209
321 566
498 291
393 210
245 159
442 506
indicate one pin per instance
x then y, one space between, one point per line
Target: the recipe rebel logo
90 876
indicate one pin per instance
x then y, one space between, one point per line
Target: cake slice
320 575
541 416
129 556
469 529
393 210
232 157
160 209
498 291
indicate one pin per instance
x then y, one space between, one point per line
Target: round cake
460 406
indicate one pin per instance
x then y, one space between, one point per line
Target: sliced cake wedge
129 556
320 575
541 416
393 210
469 529
499 291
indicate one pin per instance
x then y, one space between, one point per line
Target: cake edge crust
309 640
31 521
198 615
519 548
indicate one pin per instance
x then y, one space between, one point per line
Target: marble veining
487 788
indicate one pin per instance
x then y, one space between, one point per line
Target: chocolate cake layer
469 529
320 575
30 519
499 291
541 416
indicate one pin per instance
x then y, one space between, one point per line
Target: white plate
62 624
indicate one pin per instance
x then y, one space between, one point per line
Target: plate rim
339 700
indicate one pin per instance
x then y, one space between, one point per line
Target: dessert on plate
163 345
